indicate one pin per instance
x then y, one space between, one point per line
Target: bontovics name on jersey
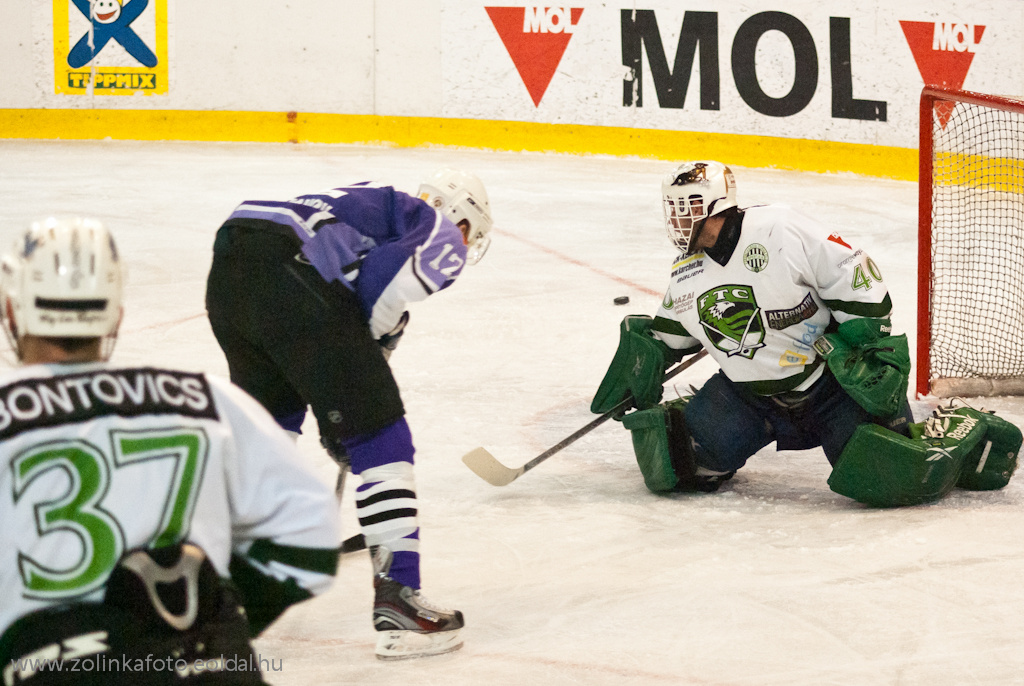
49 401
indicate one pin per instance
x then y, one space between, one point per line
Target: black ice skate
408 625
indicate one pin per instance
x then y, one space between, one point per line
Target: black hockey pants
291 339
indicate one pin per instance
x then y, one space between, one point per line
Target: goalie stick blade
487 467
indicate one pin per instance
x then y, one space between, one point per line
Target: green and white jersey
99 460
759 315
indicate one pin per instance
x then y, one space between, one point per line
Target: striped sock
386 507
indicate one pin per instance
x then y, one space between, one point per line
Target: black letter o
744 65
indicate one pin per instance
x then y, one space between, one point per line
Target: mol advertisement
829 70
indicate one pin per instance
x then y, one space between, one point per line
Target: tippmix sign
110 47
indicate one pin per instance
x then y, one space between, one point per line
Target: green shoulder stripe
323 560
669 326
882 309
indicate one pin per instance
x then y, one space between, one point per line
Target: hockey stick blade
353 544
487 467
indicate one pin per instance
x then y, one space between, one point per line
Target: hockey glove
637 368
389 341
871 366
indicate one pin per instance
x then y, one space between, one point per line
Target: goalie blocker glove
637 369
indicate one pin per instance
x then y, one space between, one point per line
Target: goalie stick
487 467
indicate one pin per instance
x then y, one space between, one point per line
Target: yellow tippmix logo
110 47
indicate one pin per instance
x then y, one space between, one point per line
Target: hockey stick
487 467
353 544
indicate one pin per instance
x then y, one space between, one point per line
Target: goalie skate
407 624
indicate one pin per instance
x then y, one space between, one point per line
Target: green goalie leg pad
649 430
661 443
992 462
882 468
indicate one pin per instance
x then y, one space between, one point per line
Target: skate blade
404 645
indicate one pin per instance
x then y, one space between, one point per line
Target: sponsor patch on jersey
792 359
755 257
683 303
691 266
783 319
850 259
836 238
69 398
732 320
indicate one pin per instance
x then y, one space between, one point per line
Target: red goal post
970 321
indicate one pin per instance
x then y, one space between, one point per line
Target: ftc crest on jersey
732 320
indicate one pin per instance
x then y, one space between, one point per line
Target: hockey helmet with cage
62 279
691 193
461 197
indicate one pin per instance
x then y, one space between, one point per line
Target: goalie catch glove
637 368
871 366
389 341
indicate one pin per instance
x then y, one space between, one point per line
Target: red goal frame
933 97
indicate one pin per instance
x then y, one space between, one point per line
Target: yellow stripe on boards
1005 174
302 127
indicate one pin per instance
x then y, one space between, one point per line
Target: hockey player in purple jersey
307 297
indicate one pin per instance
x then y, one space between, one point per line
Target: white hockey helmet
461 197
691 193
62 279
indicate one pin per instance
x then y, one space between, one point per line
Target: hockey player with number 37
799 322
140 504
307 297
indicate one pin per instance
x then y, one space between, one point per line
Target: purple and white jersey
387 246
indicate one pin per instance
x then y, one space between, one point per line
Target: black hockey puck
621 300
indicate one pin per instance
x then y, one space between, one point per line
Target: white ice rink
575 573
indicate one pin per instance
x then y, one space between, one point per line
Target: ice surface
575 574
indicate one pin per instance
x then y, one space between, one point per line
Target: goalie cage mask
691 193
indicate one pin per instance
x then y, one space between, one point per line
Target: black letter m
640 28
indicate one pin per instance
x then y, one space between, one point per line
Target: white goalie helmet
691 193
62 279
461 197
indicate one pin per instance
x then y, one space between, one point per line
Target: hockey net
970 332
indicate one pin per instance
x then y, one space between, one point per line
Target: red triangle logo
536 38
943 52
836 238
